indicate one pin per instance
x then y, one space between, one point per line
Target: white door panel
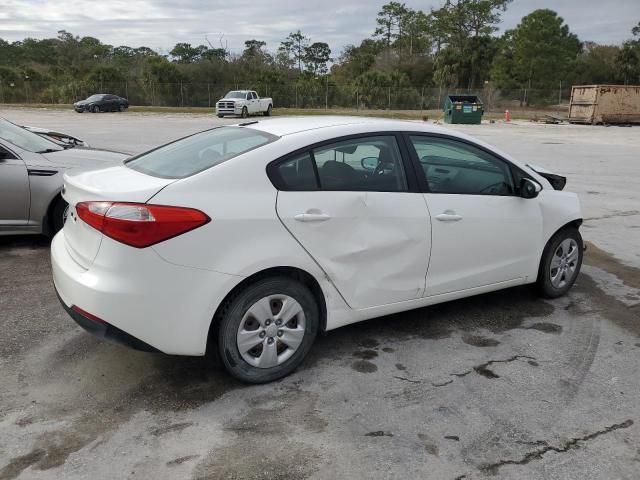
481 239
374 246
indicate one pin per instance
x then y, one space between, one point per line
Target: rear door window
371 163
193 154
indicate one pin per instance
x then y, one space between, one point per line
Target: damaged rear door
349 205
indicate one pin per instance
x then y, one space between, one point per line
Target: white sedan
250 239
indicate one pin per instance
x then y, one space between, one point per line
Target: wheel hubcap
564 263
271 331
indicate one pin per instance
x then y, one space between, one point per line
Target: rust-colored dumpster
596 104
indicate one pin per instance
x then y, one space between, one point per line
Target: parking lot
502 385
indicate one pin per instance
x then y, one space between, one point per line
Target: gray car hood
79 157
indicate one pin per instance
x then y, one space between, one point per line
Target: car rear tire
95 109
268 112
560 263
58 215
245 112
267 329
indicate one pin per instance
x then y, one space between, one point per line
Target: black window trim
407 163
10 150
514 170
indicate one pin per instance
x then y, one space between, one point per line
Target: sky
160 24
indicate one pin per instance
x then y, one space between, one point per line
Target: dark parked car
102 102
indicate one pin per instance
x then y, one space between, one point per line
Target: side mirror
529 188
369 163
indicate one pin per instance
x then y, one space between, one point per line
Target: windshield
193 154
236 94
94 98
25 139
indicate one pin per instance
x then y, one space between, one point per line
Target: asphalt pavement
503 385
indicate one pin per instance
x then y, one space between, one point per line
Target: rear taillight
138 224
88 315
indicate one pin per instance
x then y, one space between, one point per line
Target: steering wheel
492 188
380 168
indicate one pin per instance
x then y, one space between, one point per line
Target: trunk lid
110 184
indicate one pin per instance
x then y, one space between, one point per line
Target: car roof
323 127
289 125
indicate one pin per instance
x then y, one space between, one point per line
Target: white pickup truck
243 103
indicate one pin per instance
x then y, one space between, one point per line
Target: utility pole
560 96
326 94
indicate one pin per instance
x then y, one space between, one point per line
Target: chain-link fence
295 95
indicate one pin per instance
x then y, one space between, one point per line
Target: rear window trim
270 139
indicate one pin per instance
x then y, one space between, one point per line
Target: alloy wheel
564 263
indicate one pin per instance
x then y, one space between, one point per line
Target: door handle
312 217
449 216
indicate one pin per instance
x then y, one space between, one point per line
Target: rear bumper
105 331
145 301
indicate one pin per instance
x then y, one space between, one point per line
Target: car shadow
25 241
494 313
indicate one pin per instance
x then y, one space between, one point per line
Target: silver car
31 169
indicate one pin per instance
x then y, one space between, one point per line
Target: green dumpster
463 109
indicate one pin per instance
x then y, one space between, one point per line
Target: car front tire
267 329
245 112
560 263
95 109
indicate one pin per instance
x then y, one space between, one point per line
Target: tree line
454 46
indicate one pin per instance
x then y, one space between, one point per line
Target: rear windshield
193 154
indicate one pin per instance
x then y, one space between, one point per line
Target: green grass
520 114
399 114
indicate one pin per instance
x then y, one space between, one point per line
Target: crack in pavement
481 369
486 372
573 443
442 384
405 379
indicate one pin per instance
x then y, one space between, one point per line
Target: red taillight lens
138 224
87 315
